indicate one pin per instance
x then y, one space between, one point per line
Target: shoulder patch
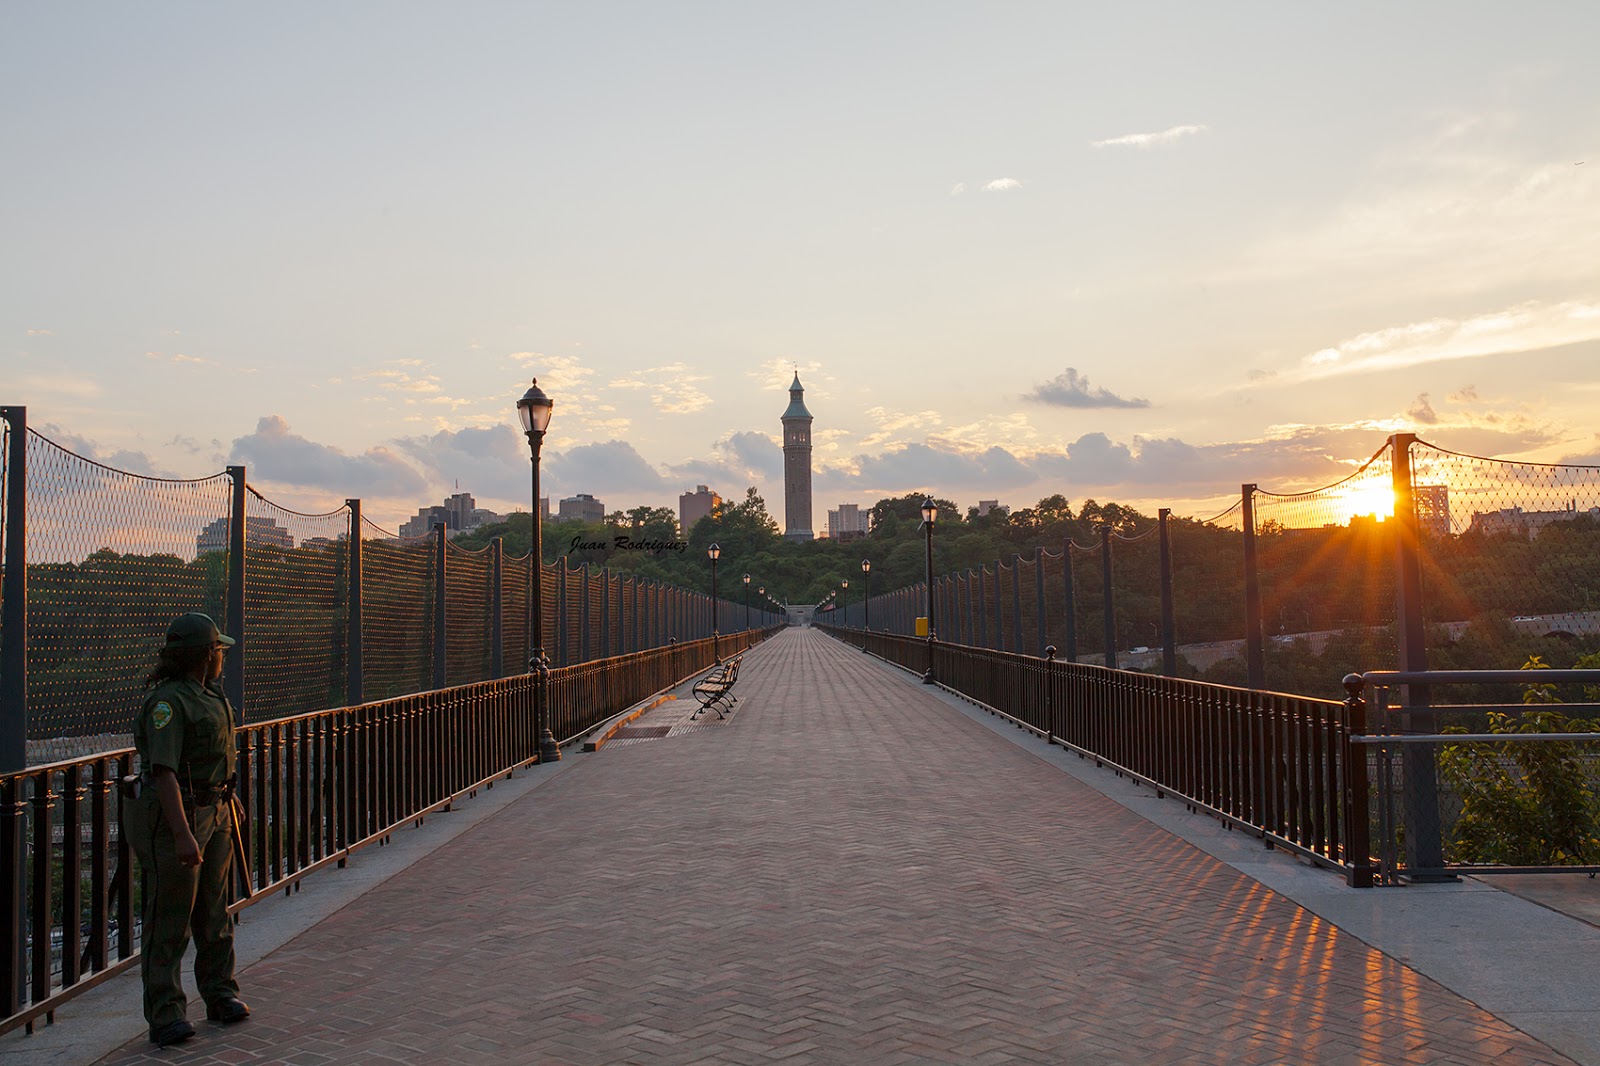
162 714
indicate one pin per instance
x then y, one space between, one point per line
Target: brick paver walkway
850 872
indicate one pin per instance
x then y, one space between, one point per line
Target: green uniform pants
180 900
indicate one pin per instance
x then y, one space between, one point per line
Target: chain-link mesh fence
468 614
112 557
397 599
296 608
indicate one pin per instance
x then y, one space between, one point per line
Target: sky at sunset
1134 252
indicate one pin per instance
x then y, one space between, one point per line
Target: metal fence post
14 619
497 632
1169 649
1108 606
1357 817
355 679
1038 594
1254 650
1070 602
981 612
584 593
233 665
14 714
561 612
1016 603
1424 848
999 616
439 635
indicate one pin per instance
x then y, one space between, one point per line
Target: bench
715 690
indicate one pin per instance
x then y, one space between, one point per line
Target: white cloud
1149 140
1525 327
41 333
955 190
1002 185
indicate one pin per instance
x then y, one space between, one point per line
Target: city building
693 506
797 465
849 522
985 506
459 513
581 508
1432 504
258 531
1516 521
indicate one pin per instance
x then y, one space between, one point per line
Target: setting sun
1374 498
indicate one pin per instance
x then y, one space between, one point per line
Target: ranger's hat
195 630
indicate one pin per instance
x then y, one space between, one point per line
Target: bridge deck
851 870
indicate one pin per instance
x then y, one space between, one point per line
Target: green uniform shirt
188 728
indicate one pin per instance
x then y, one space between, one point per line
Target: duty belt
204 793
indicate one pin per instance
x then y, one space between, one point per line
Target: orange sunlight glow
1374 498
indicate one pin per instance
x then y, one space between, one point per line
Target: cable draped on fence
330 609
1261 590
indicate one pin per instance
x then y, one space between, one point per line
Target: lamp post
534 411
747 602
929 513
844 603
866 602
714 553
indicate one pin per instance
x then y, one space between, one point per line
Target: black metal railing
317 787
1275 763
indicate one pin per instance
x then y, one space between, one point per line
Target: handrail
317 786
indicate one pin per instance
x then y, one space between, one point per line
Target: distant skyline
1142 253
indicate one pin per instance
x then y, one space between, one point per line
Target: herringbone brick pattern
851 872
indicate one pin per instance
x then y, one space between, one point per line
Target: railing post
1038 598
14 597
497 632
1108 602
439 635
1424 847
1357 819
1254 650
233 665
1169 649
355 679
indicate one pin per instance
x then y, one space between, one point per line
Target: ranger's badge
162 714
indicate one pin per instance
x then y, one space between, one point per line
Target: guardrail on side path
317 786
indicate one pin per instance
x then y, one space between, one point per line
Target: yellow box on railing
922 626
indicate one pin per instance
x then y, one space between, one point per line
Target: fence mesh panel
396 609
1136 591
516 579
1207 585
1088 598
295 609
112 558
1511 558
468 615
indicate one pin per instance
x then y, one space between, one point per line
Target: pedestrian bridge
859 868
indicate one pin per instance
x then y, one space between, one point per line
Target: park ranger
179 822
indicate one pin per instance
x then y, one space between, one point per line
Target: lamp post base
549 750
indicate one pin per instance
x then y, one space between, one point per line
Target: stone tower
797 465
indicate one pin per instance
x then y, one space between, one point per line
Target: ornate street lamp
747 602
844 603
930 512
866 602
714 553
534 411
